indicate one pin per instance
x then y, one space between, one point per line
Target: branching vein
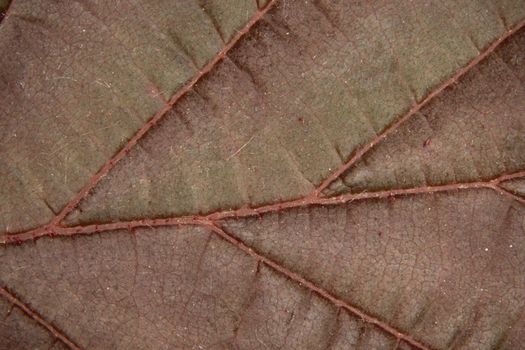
211 221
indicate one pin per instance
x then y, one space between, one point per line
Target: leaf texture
252 175
176 288
33 332
16 326
77 81
482 116
449 268
516 186
290 104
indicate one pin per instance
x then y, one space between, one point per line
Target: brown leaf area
325 175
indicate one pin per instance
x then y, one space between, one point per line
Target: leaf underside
242 175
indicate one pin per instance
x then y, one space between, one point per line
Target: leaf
325 175
296 124
424 150
72 101
20 331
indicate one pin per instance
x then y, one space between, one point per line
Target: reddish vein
35 316
414 109
316 289
510 194
209 221
93 181
247 212
53 227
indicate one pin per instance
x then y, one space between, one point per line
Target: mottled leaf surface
474 130
78 79
175 289
310 83
242 175
449 268
17 331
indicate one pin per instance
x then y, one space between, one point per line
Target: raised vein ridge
158 116
399 335
492 184
55 224
358 154
55 332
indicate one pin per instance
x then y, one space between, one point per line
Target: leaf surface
175 288
15 328
243 175
482 116
516 186
78 81
307 86
448 268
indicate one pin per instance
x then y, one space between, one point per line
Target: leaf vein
55 332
